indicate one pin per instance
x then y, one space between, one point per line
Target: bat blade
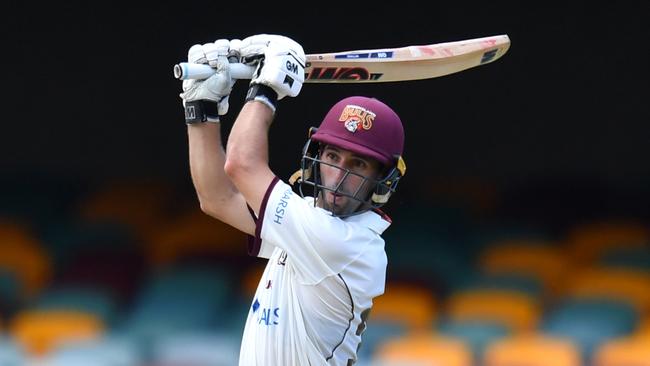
405 63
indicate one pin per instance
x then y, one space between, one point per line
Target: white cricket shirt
317 288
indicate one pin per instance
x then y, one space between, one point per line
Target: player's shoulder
376 221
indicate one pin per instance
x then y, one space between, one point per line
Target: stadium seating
632 258
251 278
403 309
616 283
11 353
179 299
117 270
629 351
66 237
22 254
376 333
588 241
543 260
423 350
532 350
194 234
197 348
40 331
478 335
10 292
523 283
589 322
142 204
519 312
81 299
105 351
411 305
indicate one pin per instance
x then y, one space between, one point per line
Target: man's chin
339 209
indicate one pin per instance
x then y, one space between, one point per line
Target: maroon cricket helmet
365 126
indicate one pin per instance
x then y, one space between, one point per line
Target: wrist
200 111
263 93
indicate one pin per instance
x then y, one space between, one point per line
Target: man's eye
360 164
331 156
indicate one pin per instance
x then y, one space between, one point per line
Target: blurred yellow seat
39 332
633 351
519 312
22 254
626 284
423 349
194 233
589 241
408 304
532 350
541 259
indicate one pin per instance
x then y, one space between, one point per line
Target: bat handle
185 71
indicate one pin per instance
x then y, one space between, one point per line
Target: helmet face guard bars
309 175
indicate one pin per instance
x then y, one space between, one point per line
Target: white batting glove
280 65
206 100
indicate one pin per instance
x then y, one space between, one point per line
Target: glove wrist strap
200 111
263 93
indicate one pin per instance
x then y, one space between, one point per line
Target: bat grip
185 71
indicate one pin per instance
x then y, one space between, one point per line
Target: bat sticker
341 73
489 55
387 54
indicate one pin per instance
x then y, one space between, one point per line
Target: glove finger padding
283 66
213 51
208 99
234 50
253 47
196 55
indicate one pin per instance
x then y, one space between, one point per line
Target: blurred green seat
376 333
64 239
107 351
197 348
589 322
180 299
477 334
517 282
11 353
10 292
636 258
88 300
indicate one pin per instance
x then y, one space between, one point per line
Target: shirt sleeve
319 244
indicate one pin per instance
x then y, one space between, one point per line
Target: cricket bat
380 65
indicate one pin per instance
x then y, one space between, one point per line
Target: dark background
557 128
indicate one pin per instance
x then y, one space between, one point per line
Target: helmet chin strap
296 177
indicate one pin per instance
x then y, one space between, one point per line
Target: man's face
334 175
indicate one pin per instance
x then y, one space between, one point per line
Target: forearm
247 164
207 159
248 141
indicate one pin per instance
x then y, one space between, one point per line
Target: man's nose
338 173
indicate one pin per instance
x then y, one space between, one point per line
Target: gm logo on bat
341 73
